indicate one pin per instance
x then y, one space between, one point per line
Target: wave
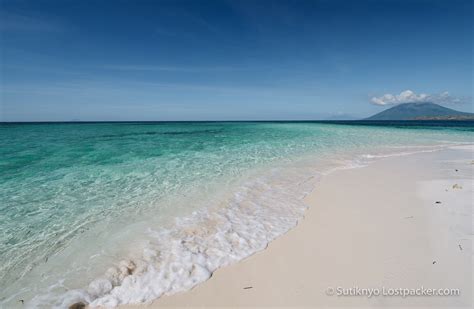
178 257
187 253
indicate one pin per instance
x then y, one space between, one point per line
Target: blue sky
230 60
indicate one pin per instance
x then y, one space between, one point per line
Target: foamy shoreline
399 238
127 227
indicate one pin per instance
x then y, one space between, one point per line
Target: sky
231 60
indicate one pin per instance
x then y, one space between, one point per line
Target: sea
112 213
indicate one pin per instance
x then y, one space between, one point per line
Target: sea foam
176 258
122 224
180 256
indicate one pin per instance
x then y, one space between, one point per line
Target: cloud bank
409 96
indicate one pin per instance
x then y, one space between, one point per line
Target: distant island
421 111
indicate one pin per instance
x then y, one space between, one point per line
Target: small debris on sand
434 262
438 202
21 301
79 305
460 247
456 186
456 170
409 217
247 287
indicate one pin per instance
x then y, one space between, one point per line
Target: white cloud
409 96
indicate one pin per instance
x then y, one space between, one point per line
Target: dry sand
372 227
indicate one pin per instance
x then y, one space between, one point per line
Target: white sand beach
236 154
400 223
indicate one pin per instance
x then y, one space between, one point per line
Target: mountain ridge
421 111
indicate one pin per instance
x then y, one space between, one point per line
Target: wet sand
402 222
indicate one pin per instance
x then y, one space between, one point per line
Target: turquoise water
78 198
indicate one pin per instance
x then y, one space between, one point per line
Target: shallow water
110 213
